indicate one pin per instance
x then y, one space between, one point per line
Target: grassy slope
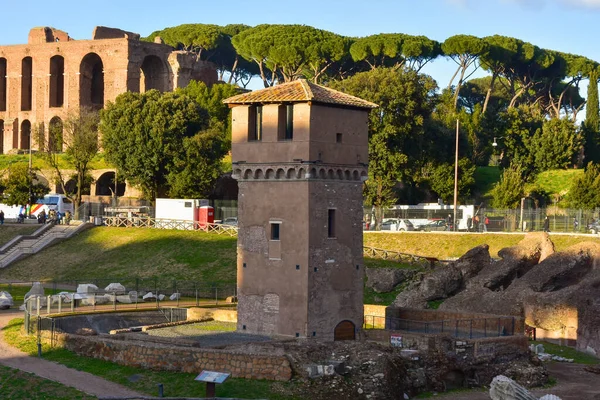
186 255
557 181
444 246
128 252
9 231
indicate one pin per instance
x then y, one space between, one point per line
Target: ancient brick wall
53 75
173 358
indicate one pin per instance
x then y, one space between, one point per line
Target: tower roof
299 91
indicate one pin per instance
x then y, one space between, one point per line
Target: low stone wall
475 348
172 358
218 314
440 315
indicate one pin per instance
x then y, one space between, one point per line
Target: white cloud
582 3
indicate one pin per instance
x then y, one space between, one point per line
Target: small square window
275 231
297 267
338 138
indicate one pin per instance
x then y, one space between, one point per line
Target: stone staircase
24 245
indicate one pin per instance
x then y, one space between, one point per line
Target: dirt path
88 383
573 383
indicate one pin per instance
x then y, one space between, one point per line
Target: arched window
153 75
2 84
91 81
25 135
57 81
1 136
26 83
55 135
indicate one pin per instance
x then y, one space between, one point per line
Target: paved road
88 383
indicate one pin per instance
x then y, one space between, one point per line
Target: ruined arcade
53 74
300 156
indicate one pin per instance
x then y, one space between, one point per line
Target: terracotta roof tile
299 90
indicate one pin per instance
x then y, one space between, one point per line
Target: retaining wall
173 358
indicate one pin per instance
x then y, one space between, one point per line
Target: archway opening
15 135
26 83
55 135
1 136
345 330
153 75
25 135
57 81
91 81
2 84
105 185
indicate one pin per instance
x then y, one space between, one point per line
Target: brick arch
269 174
91 81
258 174
355 175
280 174
26 84
154 74
313 173
301 173
363 176
322 173
105 185
25 142
55 134
248 173
291 173
3 91
57 81
348 175
340 174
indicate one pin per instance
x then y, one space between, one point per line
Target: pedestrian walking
1 217
546 224
575 224
486 222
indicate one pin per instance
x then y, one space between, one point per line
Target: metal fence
136 293
147 222
459 328
527 220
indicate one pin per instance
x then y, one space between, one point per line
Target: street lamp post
456 175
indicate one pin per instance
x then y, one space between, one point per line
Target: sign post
212 378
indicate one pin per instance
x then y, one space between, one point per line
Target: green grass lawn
568 352
9 231
557 181
19 385
176 384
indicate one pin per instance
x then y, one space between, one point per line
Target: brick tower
300 154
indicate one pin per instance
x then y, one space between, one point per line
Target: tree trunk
489 93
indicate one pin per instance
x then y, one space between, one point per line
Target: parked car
397 224
231 221
434 225
594 227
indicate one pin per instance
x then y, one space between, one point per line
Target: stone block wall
173 358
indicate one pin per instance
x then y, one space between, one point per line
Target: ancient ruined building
300 155
43 80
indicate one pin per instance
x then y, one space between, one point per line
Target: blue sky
566 25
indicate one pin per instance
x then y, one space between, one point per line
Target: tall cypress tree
592 121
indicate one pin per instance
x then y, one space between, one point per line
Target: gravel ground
209 334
